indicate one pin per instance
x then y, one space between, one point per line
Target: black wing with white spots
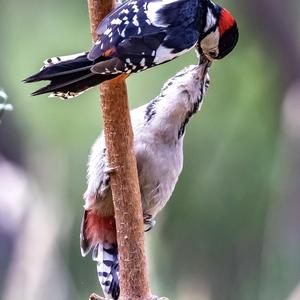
137 35
127 20
142 34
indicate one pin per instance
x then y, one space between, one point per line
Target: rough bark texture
125 190
124 180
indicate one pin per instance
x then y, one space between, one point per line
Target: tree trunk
134 284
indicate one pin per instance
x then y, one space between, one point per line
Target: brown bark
134 284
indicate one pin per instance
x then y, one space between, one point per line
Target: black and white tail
106 256
69 76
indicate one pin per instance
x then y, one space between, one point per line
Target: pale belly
158 175
158 171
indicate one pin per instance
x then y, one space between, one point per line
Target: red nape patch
226 21
98 228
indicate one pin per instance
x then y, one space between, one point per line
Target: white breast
159 167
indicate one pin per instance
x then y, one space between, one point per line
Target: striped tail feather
98 234
69 76
106 256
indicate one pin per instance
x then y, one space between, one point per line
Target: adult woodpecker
159 129
141 34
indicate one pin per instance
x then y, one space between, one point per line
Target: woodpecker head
186 90
220 33
194 79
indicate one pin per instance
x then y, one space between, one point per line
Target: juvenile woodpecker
159 129
141 34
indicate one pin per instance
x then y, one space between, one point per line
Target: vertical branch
118 133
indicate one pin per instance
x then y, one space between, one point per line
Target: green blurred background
232 228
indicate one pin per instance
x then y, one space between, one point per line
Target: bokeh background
232 228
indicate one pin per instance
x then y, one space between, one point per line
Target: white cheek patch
211 41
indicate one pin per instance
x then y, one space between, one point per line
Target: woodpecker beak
206 61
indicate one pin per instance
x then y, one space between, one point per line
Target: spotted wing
127 20
133 54
141 34
142 18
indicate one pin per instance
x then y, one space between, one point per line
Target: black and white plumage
159 128
141 34
106 256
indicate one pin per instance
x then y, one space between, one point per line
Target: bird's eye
212 54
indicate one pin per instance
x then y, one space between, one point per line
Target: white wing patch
210 20
152 12
165 54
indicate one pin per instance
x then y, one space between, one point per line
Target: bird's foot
95 297
110 170
149 222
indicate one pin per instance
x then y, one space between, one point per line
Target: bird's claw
109 170
149 221
204 60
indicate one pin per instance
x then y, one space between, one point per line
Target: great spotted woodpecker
141 34
159 129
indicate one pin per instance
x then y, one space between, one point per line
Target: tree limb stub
134 283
